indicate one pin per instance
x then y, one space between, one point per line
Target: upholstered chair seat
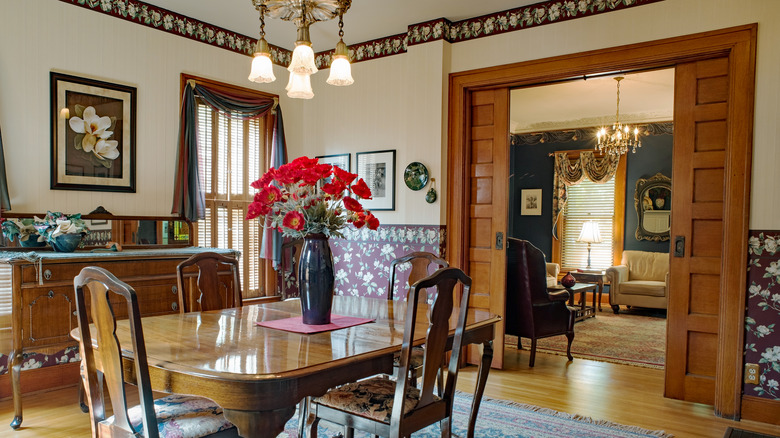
418 354
181 416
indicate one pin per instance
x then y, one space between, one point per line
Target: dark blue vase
66 242
315 279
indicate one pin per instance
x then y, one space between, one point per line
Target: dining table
258 375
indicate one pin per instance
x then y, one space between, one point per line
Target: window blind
588 201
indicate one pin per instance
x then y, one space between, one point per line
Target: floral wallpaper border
762 336
535 15
565 136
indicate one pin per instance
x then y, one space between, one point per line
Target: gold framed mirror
653 203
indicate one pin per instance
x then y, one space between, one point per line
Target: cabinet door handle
175 305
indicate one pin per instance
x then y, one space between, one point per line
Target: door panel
488 178
698 178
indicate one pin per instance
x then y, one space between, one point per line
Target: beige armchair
641 280
552 274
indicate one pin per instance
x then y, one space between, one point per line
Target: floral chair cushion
371 398
182 416
418 355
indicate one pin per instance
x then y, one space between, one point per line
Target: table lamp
589 234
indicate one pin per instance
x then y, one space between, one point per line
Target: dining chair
175 415
211 290
394 408
421 262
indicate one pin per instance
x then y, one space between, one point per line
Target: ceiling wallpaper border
538 14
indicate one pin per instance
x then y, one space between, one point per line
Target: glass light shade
302 59
299 86
262 69
340 72
590 233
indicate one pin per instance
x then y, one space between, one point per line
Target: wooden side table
583 310
595 277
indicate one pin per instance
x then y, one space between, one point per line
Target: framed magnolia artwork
92 134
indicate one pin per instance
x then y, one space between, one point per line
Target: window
601 203
589 201
230 153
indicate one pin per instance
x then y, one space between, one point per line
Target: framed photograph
92 134
344 161
378 170
531 202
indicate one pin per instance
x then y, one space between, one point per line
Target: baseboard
41 379
760 409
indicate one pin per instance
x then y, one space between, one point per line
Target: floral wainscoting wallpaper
762 336
362 259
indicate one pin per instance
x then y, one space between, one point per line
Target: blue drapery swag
5 200
188 192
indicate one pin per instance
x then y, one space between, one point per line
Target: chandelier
618 140
302 13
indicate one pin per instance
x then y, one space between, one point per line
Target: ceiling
366 20
645 96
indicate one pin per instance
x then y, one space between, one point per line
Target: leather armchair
641 280
532 311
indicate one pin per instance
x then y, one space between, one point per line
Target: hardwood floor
618 393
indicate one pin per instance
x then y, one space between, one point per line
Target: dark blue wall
531 167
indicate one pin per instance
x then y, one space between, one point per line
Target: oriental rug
501 418
635 337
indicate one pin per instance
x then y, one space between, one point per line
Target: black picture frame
92 157
344 161
377 169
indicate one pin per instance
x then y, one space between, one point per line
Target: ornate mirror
653 203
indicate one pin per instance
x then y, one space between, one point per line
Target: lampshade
299 86
340 69
590 233
262 67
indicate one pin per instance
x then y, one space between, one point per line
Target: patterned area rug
500 418
636 337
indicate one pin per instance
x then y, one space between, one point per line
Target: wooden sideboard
43 303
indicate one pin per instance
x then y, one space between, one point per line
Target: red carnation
359 220
334 187
265 180
293 220
269 195
361 189
310 177
304 162
372 221
352 205
253 210
344 175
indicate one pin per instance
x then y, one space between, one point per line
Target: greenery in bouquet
55 224
23 228
305 197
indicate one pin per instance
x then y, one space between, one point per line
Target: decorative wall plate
416 175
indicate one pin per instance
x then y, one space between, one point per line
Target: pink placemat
295 324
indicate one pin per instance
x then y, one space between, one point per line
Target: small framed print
92 134
531 202
344 161
378 171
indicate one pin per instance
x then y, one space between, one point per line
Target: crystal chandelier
618 140
303 13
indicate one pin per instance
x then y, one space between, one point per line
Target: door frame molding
739 43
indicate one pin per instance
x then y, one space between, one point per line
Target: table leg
595 294
16 387
259 423
482 375
601 290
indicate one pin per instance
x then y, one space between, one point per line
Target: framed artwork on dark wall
92 134
378 171
531 202
344 161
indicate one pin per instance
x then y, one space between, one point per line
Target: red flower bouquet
304 197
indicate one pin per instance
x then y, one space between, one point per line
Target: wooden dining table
258 375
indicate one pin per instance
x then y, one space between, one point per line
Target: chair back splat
394 408
218 285
421 262
100 296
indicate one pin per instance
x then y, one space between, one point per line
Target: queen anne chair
211 291
421 262
181 416
394 408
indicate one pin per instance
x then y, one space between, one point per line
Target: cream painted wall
395 103
39 36
665 19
